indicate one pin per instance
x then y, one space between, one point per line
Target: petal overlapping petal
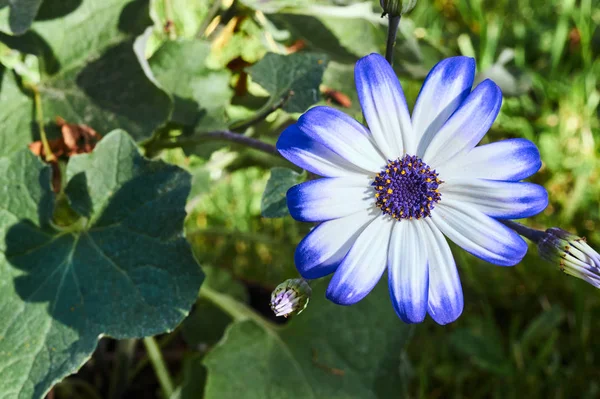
384 106
478 233
509 160
329 143
445 297
330 198
445 88
301 150
498 199
364 264
319 253
467 126
408 271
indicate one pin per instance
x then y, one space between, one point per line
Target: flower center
407 188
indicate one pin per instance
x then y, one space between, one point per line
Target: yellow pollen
429 198
410 164
395 169
387 171
403 172
428 180
390 191
422 170
388 181
380 188
377 196
385 200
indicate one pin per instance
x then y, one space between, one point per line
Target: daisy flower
392 191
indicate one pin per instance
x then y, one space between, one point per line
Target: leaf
187 16
540 328
273 203
16 16
15 115
200 94
329 351
296 75
124 270
91 73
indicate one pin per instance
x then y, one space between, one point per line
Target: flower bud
573 255
290 297
397 8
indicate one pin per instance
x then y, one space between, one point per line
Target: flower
397 7
573 255
391 192
290 297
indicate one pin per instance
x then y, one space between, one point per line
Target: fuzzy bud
572 254
396 8
290 297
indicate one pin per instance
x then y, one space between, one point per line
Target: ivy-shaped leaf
91 73
329 351
295 77
123 270
200 95
274 203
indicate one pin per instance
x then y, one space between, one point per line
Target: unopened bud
290 297
396 8
572 254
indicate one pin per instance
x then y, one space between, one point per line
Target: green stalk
160 368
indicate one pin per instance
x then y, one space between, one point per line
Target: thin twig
261 114
220 135
394 22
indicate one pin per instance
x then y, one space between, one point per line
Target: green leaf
91 73
329 351
184 15
200 95
17 16
123 270
273 203
15 115
296 76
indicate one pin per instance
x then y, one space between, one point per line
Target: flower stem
160 368
220 135
39 117
261 114
394 22
527 232
237 310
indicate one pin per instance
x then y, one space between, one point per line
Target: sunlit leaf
124 269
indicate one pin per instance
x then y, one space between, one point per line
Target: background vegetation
527 331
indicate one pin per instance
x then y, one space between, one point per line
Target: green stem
160 368
123 360
237 310
214 9
394 23
39 117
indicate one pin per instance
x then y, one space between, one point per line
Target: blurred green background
526 331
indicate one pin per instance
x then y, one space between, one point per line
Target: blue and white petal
320 252
330 198
445 88
343 135
509 160
384 106
364 264
329 143
445 299
301 150
467 126
408 271
498 199
478 233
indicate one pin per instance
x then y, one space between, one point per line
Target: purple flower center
407 188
